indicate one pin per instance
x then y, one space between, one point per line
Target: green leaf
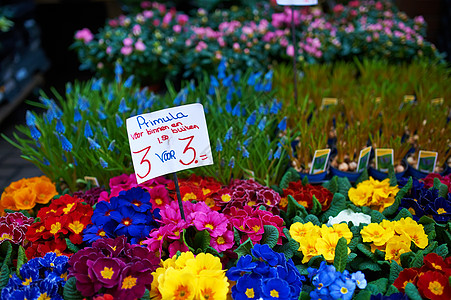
202 240
304 295
406 259
392 209
71 246
185 241
402 192
442 250
270 236
286 250
436 184
391 290
432 245
368 265
277 189
426 220
146 295
314 219
367 251
305 180
343 186
412 292
245 248
315 261
293 207
4 276
417 260
332 185
341 255
443 190
351 257
392 176
403 213
6 250
21 259
316 209
363 295
336 206
70 291
395 269
363 177
291 175
303 269
381 284
376 217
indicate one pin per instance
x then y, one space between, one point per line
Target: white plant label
168 141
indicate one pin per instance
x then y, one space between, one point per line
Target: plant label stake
384 159
320 160
427 161
364 158
292 3
167 141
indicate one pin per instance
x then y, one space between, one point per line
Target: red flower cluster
429 180
13 227
66 217
431 279
251 221
196 188
303 194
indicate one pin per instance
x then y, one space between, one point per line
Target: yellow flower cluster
394 237
190 277
25 193
373 193
314 240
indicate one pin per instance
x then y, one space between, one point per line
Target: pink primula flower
127 42
223 242
139 45
84 35
182 19
215 223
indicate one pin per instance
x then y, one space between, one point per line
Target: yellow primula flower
375 233
343 230
413 230
184 257
177 284
373 193
396 246
326 246
308 247
211 288
299 231
205 263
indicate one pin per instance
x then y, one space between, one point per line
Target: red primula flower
435 262
304 195
404 277
434 285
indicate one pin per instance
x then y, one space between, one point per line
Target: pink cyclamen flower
177 28
290 50
136 29
127 42
139 45
200 46
84 35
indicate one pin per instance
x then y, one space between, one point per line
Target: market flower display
265 274
373 193
113 266
189 276
315 240
24 194
40 278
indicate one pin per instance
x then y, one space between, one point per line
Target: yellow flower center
256 228
6 236
206 191
438 267
55 228
129 282
303 203
27 281
44 297
126 221
226 198
441 211
64 276
209 226
251 203
344 290
274 293
436 287
182 293
210 202
76 227
158 201
189 196
107 273
67 209
220 240
412 211
41 229
102 233
250 293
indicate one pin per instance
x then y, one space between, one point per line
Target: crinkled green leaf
429 229
391 290
146 295
302 269
315 261
304 295
402 192
305 181
381 284
245 248
376 217
202 240
236 236
312 218
316 208
363 295
293 207
443 190
70 291
406 259
363 177
395 269
343 186
71 246
277 189
392 176
298 219
21 259
426 220
6 251
379 254
354 242
403 213
351 257
437 184
341 255
332 185
291 175
412 292
368 265
367 251
270 236
4 276
442 250
432 245
417 260
336 206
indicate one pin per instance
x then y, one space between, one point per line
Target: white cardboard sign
168 141
297 2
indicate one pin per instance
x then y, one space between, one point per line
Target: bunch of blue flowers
265 274
331 284
40 278
129 214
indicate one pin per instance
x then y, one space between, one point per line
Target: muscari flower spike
65 144
128 83
247 141
93 145
111 145
101 114
221 69
68 88
237 110
30 119
59 127
270 154
119 121
88 130
245 128
262 124
228 107
227 82
218 145
276 106
229 134
118 71
232 162
283 124
123 106
97 84
35 133
77 116
278 152
103 163
245 152
252 118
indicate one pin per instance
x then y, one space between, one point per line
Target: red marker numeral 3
190 138
144 160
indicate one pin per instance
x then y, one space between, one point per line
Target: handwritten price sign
169 140
297 2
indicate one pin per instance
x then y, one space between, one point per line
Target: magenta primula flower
215 223
106 270
223 242
159 196
13 227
